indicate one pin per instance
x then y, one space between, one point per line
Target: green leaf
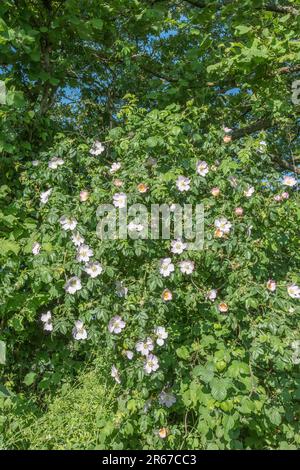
247 406
15 98
29 378
154 141
274 416
228 422
4 393
183 352
203 427
219 389
45 275
242 29
204 373
35 55
8 245
2 352
97 23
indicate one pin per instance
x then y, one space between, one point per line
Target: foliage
78 417
164 86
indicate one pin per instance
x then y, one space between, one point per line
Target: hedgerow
149 103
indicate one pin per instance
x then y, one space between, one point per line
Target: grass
79 417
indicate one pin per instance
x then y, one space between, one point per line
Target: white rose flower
151 364
73 285
97 148
119 200
44 196
212 295
68 223
84 195
93 269
115 374
294 291
116 325
36 248
271 285
249 192
289 181
166 295
183 183
187 267
115 167
163 433
84 253
166 267
161 335
35 163
202 168
144 347
223 307
46 319
79 332
48 326
223 225
77 239
55 162
178 247
128 354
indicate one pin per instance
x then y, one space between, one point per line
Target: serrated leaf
204 373
219 389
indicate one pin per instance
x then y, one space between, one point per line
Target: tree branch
282 9
285 9
196 4
285 165
264 123
289 69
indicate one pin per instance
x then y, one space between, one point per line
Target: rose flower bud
239 211
227 139
84 195
215 192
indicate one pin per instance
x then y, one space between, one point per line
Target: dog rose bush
119 104
201 345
